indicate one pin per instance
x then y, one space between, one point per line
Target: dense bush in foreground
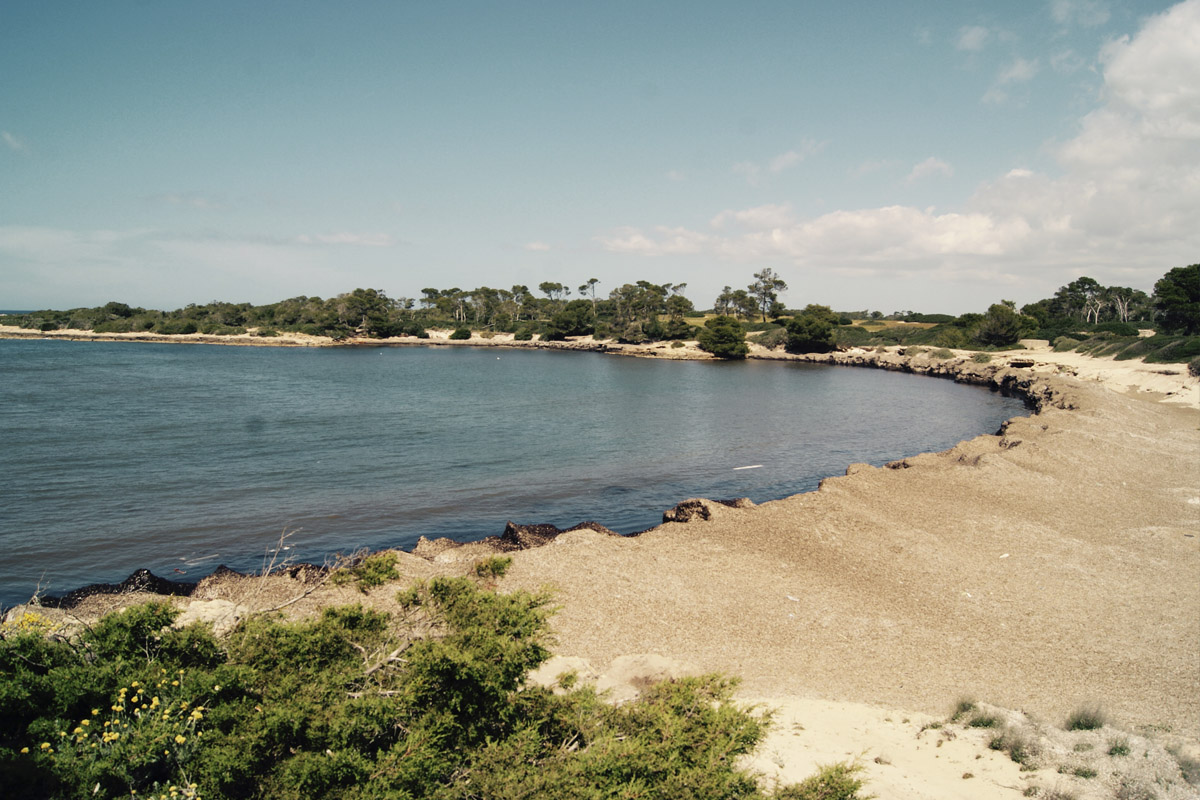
427 703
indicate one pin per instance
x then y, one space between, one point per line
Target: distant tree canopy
644 311
724 337
811 331
1177 300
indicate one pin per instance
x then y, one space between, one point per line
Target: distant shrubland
1104 320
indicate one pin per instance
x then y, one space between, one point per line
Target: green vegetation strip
427 702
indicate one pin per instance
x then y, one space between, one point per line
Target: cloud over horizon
1123 204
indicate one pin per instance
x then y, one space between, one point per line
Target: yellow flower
135 699
174 683
45 745
95 712
77 730
85 722
179 739
24 749
135 683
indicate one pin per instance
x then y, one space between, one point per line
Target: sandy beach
1052 566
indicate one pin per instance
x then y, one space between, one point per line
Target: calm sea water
124 455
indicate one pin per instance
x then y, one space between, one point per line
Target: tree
1000 326
765 290
576 319
1079 298
723 337
1177 299
811 331
589 289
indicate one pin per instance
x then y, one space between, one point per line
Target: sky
931 156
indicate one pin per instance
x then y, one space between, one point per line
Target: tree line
644 311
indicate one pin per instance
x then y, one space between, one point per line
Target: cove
127 455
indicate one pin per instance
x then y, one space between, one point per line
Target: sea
178 458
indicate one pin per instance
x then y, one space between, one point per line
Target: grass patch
1086 718
984 721
1020 748
982 358
962 707
1118 747
368 572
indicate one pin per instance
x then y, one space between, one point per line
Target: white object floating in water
752 466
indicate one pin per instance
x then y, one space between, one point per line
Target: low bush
981 358
941 354
368 571
1194 367
523 335
177 327
1086 718
832 782
1064 344
431 701
461 334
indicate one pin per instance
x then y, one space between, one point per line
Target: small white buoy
752 466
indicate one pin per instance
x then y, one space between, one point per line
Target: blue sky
932 156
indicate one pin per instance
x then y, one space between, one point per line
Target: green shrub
832 782
962 707
984 721
1085 718
178 327
523 335
1020 747
1064 344
981 358
1117 328
368 571
1118 747
113 326
1194 367
461 334
812 330
773 339
724 337
942 354
429 702
271 332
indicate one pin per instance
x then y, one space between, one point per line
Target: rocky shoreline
1038 391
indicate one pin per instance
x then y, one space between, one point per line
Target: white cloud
928 167
1122 205
971 38
676 176
1088 13
1020 70
13 142
753 172
195 200
758 218
345 238
537 247
750 171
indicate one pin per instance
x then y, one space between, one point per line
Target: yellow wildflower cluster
30 622
144 723
182 792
